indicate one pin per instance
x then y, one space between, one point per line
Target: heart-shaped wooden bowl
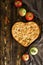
25 33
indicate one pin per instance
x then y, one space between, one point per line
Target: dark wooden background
10 51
